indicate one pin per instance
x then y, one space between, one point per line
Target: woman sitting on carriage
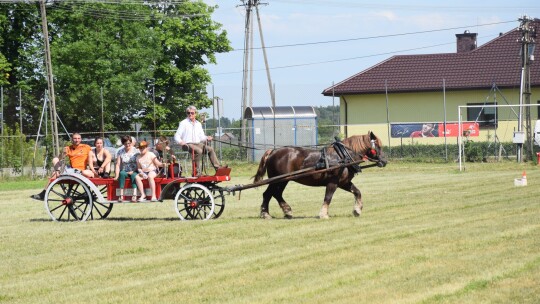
126 166
99 159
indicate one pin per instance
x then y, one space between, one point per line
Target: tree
93 52
19 31
180 78
128 49
326 120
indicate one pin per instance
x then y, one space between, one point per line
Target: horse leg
358 205
267 195
330 189
278 195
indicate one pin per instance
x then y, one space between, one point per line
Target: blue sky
300 73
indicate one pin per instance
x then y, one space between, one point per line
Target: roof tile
497 61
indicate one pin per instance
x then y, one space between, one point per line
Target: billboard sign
435 129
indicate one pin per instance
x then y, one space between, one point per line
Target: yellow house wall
368 112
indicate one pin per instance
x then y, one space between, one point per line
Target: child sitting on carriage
147 166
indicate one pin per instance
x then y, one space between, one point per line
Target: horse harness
344 155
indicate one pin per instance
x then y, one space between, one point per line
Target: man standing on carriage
191 137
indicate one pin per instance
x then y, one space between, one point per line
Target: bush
15 150
474 152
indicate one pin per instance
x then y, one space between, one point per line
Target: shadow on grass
176 219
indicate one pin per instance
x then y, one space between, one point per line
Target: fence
19 154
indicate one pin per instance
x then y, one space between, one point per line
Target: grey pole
2 128
444 105
387 116
20 125
102 119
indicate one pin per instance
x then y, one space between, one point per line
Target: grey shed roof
280 112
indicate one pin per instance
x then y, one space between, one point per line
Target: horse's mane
360 143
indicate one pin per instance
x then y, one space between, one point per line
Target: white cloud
388 15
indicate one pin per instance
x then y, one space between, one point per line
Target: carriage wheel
219 200
100 210
68 199
194 202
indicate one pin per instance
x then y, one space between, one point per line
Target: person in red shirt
78 157
426 131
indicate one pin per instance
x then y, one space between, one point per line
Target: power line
344 59
334 3
144 2
379 36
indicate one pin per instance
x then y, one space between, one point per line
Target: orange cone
524 175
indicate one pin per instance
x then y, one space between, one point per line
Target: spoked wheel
100 210
219 200
68 199
194 202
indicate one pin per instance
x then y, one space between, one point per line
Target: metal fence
20 155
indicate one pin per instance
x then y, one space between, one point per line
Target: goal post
505 116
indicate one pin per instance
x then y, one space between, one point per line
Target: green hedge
17 151
474 151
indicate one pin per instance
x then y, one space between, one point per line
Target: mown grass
428 234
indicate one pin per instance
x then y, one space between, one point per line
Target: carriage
73 197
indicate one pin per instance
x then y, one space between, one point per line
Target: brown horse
290 159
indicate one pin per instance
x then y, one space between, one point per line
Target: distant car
106 143
537 133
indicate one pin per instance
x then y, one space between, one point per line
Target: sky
311 44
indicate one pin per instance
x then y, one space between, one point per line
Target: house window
484 116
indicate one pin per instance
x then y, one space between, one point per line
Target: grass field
428 234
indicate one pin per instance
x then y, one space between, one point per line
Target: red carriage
73 197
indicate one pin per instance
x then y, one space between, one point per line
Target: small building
271 128
228 137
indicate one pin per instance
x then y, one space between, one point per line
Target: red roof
496 62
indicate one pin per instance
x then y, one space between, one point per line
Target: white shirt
189 132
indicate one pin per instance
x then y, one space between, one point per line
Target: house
397 96
228 137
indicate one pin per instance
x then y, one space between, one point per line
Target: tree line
136 59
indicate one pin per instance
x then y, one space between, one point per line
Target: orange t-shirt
78 157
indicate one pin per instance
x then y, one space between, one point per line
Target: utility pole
527 41
50 82
247 89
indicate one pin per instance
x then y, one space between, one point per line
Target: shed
271 127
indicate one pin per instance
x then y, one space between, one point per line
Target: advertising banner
435 129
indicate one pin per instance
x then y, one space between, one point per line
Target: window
485 116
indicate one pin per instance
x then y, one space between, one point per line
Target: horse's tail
262 166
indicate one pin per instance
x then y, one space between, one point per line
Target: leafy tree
327 121
93 52
19 31
128 50
5 68
180 78
224 122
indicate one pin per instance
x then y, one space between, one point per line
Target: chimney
466 42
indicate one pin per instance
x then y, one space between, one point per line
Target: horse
292 159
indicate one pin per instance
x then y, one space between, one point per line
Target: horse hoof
288 216
266 216
356 213
324 216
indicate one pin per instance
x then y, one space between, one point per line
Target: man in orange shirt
78 158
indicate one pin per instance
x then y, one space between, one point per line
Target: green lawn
428 234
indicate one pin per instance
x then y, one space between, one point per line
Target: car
537 133
106 143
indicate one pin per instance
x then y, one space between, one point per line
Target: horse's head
376 153
368 145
